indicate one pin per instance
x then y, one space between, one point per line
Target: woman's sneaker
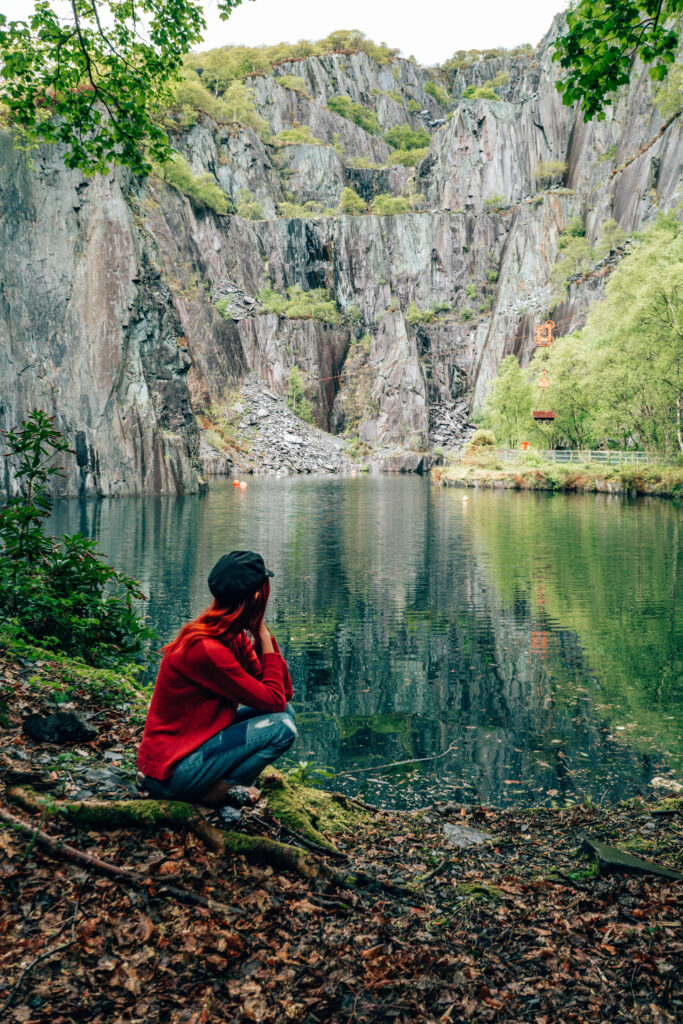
141 786
241 796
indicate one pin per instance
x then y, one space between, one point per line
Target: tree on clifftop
94 79
604 37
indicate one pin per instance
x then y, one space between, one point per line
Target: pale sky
431 30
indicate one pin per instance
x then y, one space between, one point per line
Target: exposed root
149 814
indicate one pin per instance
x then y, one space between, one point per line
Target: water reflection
527 644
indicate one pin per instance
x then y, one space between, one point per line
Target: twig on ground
435 871
65 852
310 845
45 955
398 764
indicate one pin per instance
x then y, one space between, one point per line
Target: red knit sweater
196 695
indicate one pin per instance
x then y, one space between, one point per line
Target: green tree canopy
94 79
619 381
507 410
602 39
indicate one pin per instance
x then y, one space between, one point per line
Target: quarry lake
502 647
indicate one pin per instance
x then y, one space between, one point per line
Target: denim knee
286 730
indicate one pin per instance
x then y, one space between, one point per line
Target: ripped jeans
238 754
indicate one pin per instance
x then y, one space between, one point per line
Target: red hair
223 623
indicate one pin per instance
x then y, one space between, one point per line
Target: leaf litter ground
520 928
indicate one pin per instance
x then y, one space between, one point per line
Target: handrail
604 456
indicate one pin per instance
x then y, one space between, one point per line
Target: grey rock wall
128 309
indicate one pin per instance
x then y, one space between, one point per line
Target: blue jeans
238 754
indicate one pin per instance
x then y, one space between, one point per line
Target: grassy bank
533 474
315 908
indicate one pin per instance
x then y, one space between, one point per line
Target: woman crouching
198 742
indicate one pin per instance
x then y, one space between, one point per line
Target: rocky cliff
134 312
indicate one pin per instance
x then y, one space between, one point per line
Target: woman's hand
265 642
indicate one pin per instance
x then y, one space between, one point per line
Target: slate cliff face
128 310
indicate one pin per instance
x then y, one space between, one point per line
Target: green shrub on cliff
272 301
203 187
300 305
296 396
462 59
402 136
481 92
238 106
386 205
550 172
351 202
434 90
304 210
360 115
408 157
294 82
248 206
60 592
300 134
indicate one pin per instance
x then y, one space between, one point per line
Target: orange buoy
243 485
235 483
465 498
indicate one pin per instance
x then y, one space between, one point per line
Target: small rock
463 837
60 727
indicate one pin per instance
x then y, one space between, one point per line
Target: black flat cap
237 575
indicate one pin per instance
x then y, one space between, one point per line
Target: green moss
67 677
480 891
670 803
310 812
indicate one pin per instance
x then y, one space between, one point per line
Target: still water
508 648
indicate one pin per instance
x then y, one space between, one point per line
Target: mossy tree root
154 814
108 814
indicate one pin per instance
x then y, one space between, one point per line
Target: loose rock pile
449 425
274 440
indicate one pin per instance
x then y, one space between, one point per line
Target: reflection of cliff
402 635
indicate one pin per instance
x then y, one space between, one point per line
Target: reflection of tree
410 622
609 572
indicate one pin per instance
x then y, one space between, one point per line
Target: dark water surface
534 643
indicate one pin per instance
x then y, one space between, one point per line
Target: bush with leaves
437 93
601 41
408 157
203 187
351 202
402 136
60 592
300 134
314 304
296 396
360 115
481 92
550 172
248 206
386 205
294 82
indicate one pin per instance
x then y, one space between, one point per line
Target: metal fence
607 458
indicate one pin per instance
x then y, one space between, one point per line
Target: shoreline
317 906
625 481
